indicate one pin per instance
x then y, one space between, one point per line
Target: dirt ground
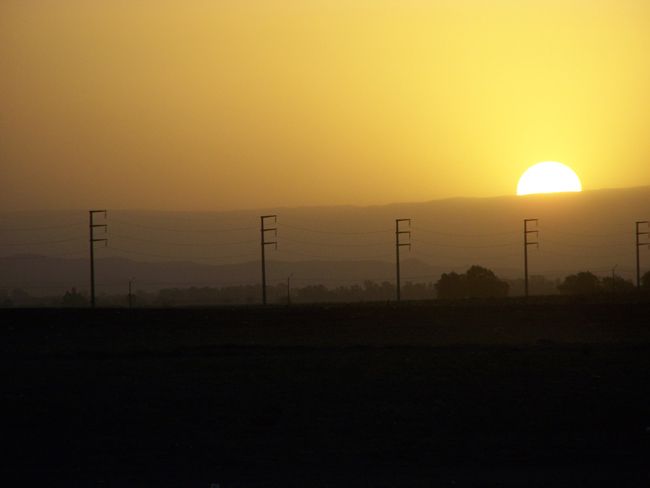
479 394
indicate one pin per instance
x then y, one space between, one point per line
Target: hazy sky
226 104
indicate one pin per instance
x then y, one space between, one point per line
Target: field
468 394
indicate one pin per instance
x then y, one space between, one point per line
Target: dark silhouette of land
467 393
496 391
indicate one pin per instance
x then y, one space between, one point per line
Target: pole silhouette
638 224
92 226
398 245
526 244
289 289
263 244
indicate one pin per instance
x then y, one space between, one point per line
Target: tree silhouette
476 282
616 284
582 283
450 285
73 298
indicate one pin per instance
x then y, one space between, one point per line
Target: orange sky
253 103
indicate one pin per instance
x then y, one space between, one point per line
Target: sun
548 177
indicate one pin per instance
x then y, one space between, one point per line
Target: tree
73 298
582 283
537 284
476 282
616 284
482 282
450 285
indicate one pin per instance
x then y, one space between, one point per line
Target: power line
193 217
566 244
197 284
449 234
349 258
579 234
320 231
191 244
418 252
167 256
332 244
169 229
583 255
466 246
46 227
40 243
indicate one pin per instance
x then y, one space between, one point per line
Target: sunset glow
223 105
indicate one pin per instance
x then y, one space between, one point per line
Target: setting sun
548 177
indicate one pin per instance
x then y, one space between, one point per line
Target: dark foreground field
419 395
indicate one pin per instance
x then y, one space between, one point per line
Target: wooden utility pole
639 223
526 244
398 245
92 226
263 244
289 289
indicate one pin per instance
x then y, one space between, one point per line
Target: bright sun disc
548 177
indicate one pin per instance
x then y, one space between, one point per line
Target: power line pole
289 289
264 243
638 245
92 226
526 244
398 244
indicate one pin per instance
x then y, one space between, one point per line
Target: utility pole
398 244
264 243
639 223
614 278
526 244
289 289
92 226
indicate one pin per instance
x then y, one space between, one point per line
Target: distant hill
592 230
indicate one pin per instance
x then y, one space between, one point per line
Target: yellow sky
255 103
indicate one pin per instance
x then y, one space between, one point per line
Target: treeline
476 282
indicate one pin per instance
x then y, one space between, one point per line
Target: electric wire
39 243
191 244
332 244
320 231
47 227
169 229
543 240
313 256
449 234
465 246
166 256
